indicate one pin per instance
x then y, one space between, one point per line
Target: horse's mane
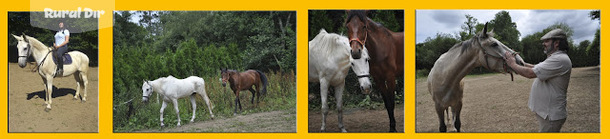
468 43
34 41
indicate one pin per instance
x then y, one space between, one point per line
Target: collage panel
52 74
204 71
507 71
356 71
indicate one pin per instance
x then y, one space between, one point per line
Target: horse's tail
264 80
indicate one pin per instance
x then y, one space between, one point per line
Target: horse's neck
39 50
157 85
459 64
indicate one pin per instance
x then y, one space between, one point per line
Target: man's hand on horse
509 57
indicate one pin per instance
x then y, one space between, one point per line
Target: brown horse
386 50
244 81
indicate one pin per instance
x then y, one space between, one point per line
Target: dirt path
358 120
492 103
26 99
274 121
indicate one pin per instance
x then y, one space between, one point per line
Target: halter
366 34
362 76
29 51
500 57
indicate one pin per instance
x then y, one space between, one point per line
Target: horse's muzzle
356 54
22 62
224 84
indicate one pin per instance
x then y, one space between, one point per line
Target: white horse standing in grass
171 89
329 62
30 46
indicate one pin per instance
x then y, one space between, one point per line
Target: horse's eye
494 44
352 64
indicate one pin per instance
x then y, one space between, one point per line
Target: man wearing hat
548 93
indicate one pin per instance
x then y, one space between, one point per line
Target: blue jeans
59 53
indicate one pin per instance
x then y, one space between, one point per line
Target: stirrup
58 72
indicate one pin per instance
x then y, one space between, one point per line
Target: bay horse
29 46
171 89
386 49
244 81
329 62
445 78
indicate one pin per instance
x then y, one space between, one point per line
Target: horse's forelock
356 13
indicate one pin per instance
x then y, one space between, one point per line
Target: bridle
357 39
361 42
499 57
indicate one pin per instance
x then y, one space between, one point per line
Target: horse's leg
237 104
440 111
339 97
456 116
161 111
85 81
44 81
324 95
194 105
391 84
78 84
49 92
253 94
175 103
207 102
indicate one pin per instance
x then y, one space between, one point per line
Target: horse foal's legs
324 96
194 105
175 102
339 97
161 111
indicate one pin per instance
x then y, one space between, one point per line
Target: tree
506 30
468 28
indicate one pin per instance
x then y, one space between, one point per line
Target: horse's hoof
343 131
47 109
212 117
234 114
191 121
179 125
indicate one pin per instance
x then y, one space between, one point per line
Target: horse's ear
484 33
24 38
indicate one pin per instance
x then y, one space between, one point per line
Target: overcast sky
431 22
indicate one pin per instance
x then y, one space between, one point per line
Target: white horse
329 60
171 89
445 79
29 46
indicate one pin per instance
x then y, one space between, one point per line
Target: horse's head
24 49
356 24
147 91
361 68
491 54
225 74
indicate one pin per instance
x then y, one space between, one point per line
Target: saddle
66 58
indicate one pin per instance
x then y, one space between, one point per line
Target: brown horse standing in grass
386 49
244 81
